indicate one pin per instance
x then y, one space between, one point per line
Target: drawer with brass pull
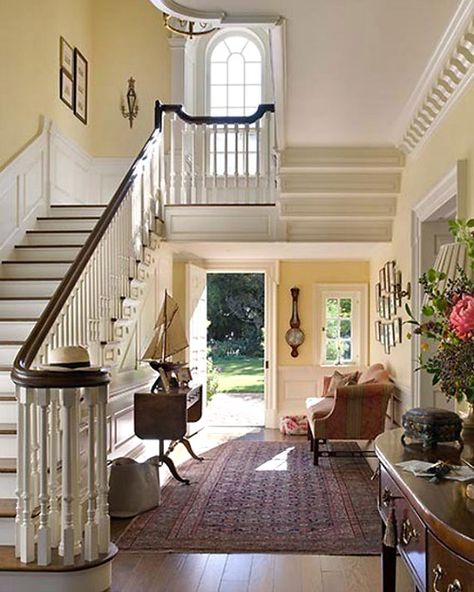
389 492
447 572
412 541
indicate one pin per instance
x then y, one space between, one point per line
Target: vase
468 417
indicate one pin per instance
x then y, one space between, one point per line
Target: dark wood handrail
161 109
22 373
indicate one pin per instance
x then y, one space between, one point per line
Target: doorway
236 349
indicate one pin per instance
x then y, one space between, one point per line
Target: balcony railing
216 160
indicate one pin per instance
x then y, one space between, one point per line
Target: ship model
169 338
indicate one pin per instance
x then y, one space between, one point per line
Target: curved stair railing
51 401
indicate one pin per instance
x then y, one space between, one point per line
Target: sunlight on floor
278 462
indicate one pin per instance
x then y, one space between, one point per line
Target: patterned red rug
253 496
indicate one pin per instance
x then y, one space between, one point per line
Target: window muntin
341 328
235 86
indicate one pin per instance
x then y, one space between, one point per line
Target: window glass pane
346 351
253 95
251 52
236 96
220 53
218 96
218 111
346 307
236 69
236 43
346 329
218 73
332 307
332 329
253 73
235 110
331 350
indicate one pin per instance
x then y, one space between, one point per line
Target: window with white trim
342 327
235 80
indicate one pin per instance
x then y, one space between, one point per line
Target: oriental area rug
250 496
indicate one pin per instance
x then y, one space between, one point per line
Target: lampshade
450 258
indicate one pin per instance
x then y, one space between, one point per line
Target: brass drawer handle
439 573
408 533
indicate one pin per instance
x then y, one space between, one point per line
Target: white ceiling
271 251
352 64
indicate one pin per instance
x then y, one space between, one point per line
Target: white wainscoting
77 177
221 223
296 383
23 192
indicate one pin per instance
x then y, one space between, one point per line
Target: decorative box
294 425
431 425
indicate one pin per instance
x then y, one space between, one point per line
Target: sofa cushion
370 373
339 380
319 407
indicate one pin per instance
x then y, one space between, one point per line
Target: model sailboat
169 338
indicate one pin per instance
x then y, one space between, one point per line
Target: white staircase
28 278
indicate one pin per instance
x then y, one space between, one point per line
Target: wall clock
294 336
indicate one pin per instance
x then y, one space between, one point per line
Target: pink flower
462 317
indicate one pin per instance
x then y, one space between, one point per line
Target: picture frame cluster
73 79
388 302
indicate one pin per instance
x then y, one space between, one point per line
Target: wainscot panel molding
77 177
448 74
221 223
24 190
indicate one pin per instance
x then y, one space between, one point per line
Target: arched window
235 77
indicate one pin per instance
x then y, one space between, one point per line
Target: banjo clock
294 336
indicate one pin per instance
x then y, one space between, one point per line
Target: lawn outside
238 374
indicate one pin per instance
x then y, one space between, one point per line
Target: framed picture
398 330
66 57
386 338
184 375
66 88
382 279
378 331
80 86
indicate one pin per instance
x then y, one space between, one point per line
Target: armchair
355 412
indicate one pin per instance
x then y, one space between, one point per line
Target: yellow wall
179 294
29 81
129 40
303 275
119 38
453 140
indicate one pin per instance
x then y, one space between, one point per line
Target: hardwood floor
203 572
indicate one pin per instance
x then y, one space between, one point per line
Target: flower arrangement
449 322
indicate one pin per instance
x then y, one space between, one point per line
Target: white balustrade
59 506
217 162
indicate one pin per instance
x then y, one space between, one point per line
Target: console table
434 521
164 416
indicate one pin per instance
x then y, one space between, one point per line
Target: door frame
271 270
443 200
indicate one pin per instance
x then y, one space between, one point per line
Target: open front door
196 322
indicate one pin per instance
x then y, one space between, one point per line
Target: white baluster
193 164
172 199
34 455
67 545
91 541
204 161
103 519
246 156
214 176
269 176
54 431
44 530
236 155
226 155
19 472
184 176
257 158
26 527
163 181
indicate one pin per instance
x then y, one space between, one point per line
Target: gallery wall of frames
389 294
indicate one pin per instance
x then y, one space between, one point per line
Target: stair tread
78 206
18 319
7 397
7 508
29 279
67 218
36 262
46 246
8 429
5 368
29 298
7 465
55 231
11 342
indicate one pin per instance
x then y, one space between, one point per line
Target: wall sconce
132 103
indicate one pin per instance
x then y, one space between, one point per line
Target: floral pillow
339 380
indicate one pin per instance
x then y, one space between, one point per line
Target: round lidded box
430 426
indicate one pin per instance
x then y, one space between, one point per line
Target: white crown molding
447 75
216 19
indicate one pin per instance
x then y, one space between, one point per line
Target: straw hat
69 357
